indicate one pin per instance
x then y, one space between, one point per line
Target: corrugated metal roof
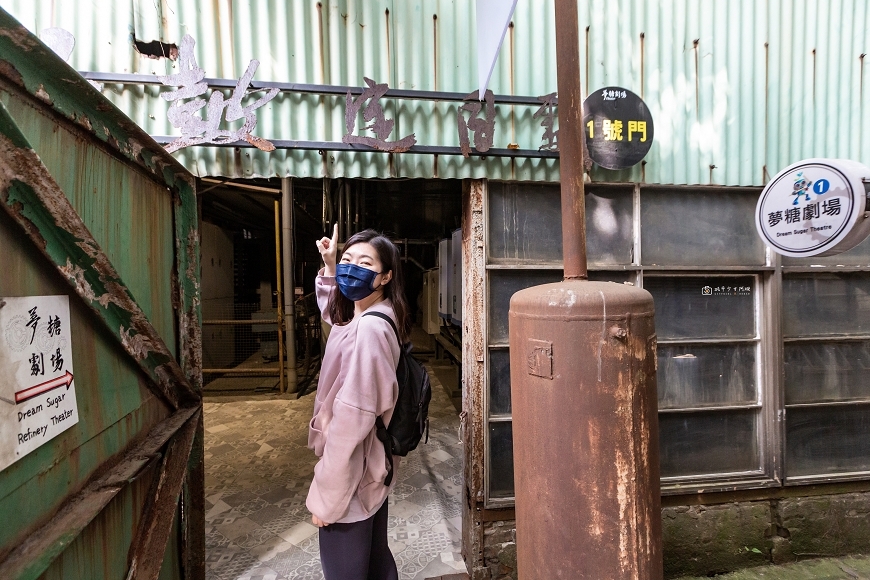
738 89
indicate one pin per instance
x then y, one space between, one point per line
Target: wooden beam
149 546
193 511
31 558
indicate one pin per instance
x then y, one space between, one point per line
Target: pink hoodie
357 383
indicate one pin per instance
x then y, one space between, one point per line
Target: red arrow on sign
35 391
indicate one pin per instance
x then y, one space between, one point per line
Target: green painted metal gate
95 211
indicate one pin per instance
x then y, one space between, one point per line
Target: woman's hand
316 520
328 251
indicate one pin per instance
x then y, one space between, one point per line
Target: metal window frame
796 480
769 341
765 474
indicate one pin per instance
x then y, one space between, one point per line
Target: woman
348 498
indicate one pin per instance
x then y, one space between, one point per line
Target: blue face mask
355 282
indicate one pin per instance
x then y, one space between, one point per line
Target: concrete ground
258 469
846 568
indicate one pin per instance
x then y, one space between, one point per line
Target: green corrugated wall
738 89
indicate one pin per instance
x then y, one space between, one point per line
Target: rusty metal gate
101 466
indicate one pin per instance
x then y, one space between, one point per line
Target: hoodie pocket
316 440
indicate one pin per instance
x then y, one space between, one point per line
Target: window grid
768 344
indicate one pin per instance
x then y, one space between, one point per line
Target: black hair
340 307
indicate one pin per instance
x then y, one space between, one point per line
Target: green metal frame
32 197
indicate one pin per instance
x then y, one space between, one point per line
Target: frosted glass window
699 228
708 443
826 304
703 307
706 375
501 465
502 285
824 440
609 223
499 382
826 371
525 224
618 277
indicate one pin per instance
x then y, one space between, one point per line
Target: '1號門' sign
37 394
816 207
618 126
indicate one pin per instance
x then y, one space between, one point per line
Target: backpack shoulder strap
380 429
388 319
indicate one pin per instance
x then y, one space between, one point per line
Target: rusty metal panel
472 423
94 210
733 96
111 200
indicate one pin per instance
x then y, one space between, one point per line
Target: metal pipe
327 205
335 90
339 146
348 230
228 322
288 223
242 371
571 137
342 232
356 215
280 296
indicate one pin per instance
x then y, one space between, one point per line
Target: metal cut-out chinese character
195 129
549 114
482 128
381 126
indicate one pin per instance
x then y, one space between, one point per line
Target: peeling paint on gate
31 196
35 68
140 358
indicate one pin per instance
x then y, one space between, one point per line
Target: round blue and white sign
816 207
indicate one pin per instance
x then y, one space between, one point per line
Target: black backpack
410 419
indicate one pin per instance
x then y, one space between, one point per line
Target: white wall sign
816 207
37 392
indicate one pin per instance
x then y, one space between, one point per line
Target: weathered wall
702 540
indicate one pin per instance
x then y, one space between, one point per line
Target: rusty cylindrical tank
585 432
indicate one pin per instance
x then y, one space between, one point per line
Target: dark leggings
358 551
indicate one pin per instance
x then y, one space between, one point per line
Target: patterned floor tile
259 469
298 533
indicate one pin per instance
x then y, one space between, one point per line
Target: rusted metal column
287 233
280 298
571 139
583 395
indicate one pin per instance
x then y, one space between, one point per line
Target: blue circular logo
821 186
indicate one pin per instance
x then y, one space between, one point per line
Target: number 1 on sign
591 126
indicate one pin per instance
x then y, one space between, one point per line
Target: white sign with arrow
37 392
